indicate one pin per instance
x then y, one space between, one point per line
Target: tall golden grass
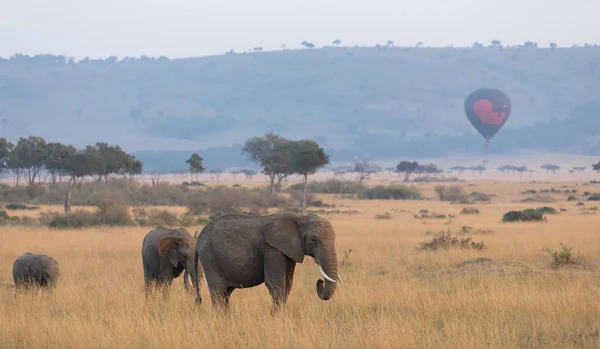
392 294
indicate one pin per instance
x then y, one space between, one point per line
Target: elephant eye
313 238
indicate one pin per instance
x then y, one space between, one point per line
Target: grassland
393 295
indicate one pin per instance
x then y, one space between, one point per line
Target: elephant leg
275 277
218 290
289 274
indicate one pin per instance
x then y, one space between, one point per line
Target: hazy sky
184 28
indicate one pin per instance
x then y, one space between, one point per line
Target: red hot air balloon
488 110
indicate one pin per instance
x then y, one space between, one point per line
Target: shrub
399 192
523 216
547 209
572 198
451 193
3 215
76 219
386 215
331 186
530 191
20 207
113 213
155 217
562 258
469 210
594 197
444 240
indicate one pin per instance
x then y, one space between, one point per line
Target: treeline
39 161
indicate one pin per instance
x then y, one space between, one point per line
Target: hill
377 102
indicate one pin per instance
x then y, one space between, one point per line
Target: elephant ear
283 233
168 247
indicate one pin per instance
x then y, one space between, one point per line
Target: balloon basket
487 143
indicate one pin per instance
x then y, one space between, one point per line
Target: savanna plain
395 292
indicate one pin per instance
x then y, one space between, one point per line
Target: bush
547 209
572 198
563 257
468 210
113 213
20 207
523 216
331 186
594 197
399 192
76 219
155 217
454 193
445 241
386 215
3 215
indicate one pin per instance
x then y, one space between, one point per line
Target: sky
191 28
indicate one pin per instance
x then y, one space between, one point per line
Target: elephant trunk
329 269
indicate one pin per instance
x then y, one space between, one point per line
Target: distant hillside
378 102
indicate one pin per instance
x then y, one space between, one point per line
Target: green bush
523 216
331 186
594 197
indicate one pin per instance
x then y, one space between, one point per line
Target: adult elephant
166 253
35 270
241 251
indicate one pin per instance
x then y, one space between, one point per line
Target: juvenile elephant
35 270
240 251
165 254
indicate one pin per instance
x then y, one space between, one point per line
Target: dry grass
392 295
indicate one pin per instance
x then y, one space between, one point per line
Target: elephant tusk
325 275
206 282
189 277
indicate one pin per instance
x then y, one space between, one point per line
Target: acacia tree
248 173
307 157
274 154
216 172
196 165
408 168
29 155
364 169
56 153
596 167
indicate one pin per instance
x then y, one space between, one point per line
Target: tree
77 166
337 42
216 172
6 148
596 167
274 154
56 153
496 43
478 168
553 45
364 169
521 170
459 169
196 165
248 173
307 158
108 160
579 169
408 168
390 43
550 167
30 155
132 167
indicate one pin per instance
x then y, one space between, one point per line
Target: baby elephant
35 270
166 253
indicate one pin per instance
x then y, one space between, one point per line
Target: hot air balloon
487 109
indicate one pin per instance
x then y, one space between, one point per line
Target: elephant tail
197 273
